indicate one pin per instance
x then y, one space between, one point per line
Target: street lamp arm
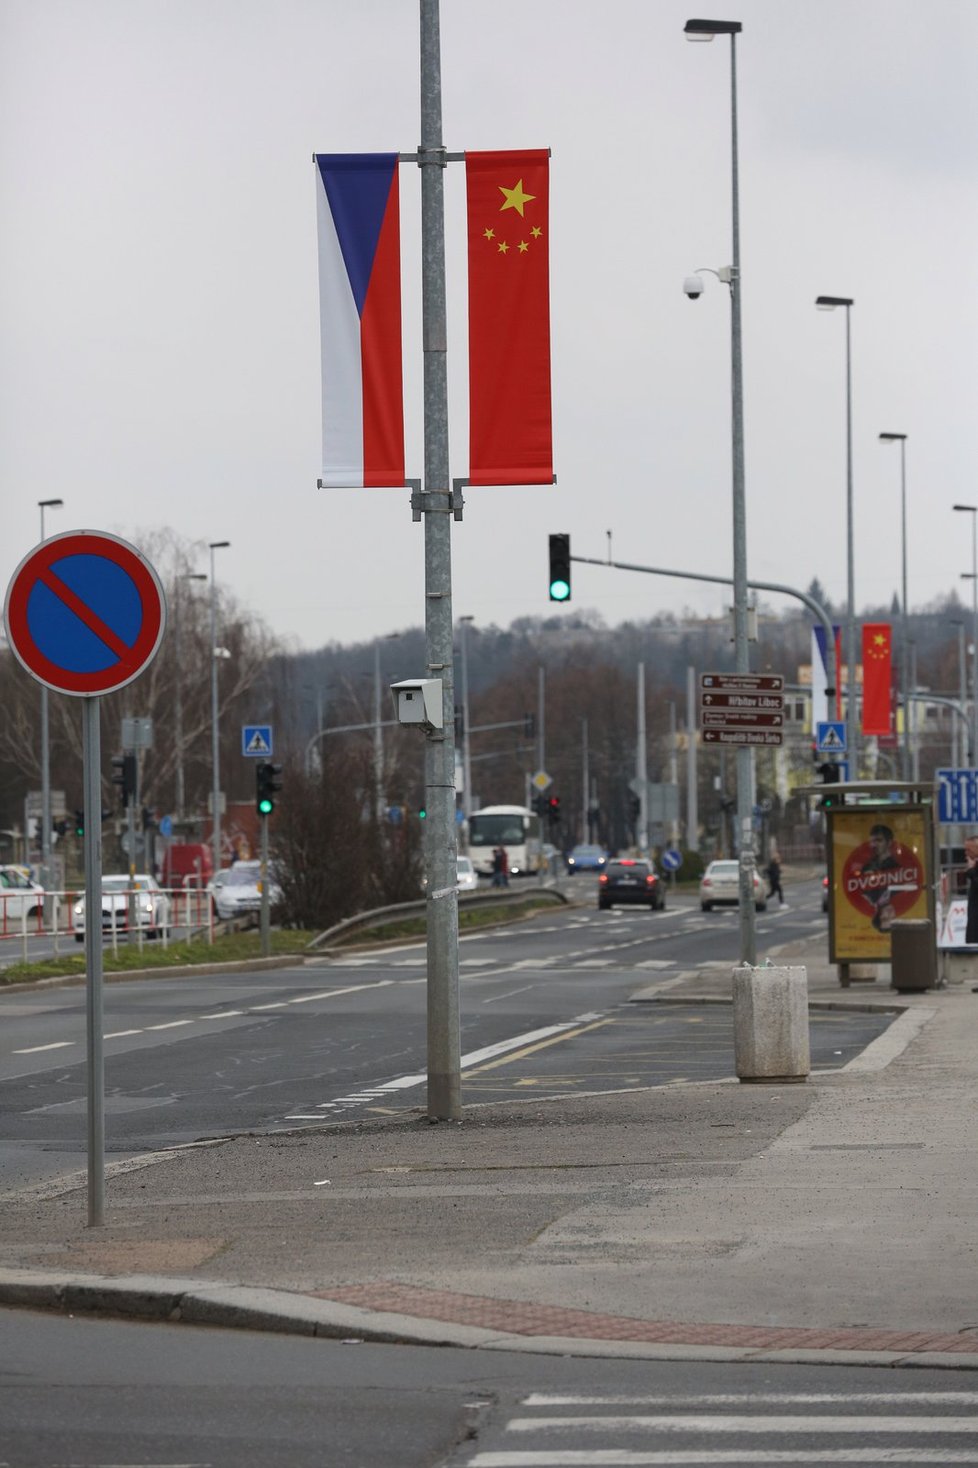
802 596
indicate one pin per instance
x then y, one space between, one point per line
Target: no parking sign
85 613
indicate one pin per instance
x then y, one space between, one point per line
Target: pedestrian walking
971 877
498 858
773 874
504 867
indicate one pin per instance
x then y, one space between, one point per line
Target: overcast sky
159 351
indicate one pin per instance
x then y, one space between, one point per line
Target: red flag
876 677
509 318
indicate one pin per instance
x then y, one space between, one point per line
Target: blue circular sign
672 860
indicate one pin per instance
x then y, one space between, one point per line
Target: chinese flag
876 677
509 318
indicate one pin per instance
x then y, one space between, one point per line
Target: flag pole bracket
436 501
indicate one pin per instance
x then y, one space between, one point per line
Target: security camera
693 287
418 701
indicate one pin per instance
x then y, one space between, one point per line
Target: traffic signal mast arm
815 607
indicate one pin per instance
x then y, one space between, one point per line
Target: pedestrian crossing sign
256 740
830 737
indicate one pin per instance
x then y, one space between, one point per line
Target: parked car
236 891
466 874
720 886
586 858
152 906
19 896
626 879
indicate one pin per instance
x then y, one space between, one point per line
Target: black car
628 880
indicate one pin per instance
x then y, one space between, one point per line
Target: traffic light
268 781
79 823
634 806
124 775
529 725
560 558
831 775
541 805
553 809
422 814
459 721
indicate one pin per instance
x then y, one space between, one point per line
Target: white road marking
121 1034
906 1426
753 1457
907 1398
173 1024
36 1049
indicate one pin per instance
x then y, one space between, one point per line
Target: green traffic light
559 591
266 806
422 814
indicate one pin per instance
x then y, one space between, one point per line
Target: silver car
720 887
152 906
236 891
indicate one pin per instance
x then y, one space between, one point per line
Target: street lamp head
218 544
829 303
50 504
968 576
971 509
892 437
194 576
705 30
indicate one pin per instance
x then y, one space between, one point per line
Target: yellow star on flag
536 231
503 247
489 234
515 198
523 247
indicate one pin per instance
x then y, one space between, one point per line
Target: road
545 1004
90 1393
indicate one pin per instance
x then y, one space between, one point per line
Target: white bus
514 828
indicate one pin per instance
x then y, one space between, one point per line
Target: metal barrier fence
60 916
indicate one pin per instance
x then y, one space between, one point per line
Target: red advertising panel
880 871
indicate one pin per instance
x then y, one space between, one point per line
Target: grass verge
226 948
469 918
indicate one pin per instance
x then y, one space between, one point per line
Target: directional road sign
672 860
957 797
256 740
830 737
85 613
741 708
743 682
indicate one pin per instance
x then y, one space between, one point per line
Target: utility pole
444 1040
641 769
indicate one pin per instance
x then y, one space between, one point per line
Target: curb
246 1307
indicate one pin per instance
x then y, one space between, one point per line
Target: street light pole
972 510
463 623
215 730
901 439
46 748
829 303
181 793
706 30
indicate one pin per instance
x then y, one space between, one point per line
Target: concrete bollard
770 1012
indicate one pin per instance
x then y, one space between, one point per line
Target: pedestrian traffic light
124 775
560 577
268 781
831 775
79 823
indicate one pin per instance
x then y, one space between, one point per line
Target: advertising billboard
880 870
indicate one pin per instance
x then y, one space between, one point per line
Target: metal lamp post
901 439
46 748
830 303
463 643
215 730
706 30
972 576
177 688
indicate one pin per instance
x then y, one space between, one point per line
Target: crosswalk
913 1428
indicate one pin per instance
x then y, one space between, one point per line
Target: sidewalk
828 1221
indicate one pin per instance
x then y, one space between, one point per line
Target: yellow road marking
541 1045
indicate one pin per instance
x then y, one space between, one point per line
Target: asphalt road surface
545 1006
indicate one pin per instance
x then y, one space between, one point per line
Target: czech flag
510 439
877 667
357 206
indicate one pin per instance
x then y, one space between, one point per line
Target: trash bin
913 955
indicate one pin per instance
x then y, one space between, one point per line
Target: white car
19 896
152 906
720 886
466 874
236 891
